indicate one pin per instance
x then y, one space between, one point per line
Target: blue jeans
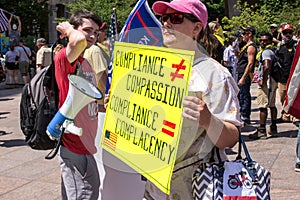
298 146
245 98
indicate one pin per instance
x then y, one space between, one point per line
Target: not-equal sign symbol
169 124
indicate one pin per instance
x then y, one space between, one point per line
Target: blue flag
141 27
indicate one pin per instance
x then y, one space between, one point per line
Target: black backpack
37 108
38 105
276 70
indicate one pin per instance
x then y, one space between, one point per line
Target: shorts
11 66
282 91
267 98
24 68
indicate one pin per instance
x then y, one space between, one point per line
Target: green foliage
215 8
29 41
104 9
262 15
33 15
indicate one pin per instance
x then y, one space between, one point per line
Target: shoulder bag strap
242 144
55 150
25 52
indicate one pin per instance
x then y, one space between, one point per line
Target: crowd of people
19 61
216 111
244 58
252 57
185 26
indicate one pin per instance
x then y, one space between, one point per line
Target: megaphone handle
56 148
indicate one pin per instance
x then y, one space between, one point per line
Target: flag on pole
113 32
292 98
141 27
3 21
113 36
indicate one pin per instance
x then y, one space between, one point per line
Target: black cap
249 29
238 33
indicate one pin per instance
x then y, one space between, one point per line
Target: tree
215 9
263 14
103 8
33 23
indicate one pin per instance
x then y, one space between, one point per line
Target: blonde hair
57 48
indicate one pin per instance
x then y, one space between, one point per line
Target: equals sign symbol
170 125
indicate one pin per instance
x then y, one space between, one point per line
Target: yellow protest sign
143 119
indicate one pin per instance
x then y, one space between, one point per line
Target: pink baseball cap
194 7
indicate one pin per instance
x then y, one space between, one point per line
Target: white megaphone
81 92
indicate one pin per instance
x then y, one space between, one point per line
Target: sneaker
273 130
259 134
246 120
297 167
296 121
286 117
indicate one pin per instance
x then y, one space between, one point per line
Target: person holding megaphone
80 177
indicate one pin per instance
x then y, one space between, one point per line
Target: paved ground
25 174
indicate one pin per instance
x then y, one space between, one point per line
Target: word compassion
151 88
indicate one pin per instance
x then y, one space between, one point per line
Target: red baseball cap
286 27
194 7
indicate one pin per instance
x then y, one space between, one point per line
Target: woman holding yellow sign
211 110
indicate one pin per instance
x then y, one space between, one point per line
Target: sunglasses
177 18
287 32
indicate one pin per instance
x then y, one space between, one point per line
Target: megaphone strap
54 151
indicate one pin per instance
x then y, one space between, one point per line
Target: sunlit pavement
25 174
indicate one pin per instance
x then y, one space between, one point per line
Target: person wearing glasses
211 109
245 66
267 86
286 54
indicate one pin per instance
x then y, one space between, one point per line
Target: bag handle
239 156
242 144
251 164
